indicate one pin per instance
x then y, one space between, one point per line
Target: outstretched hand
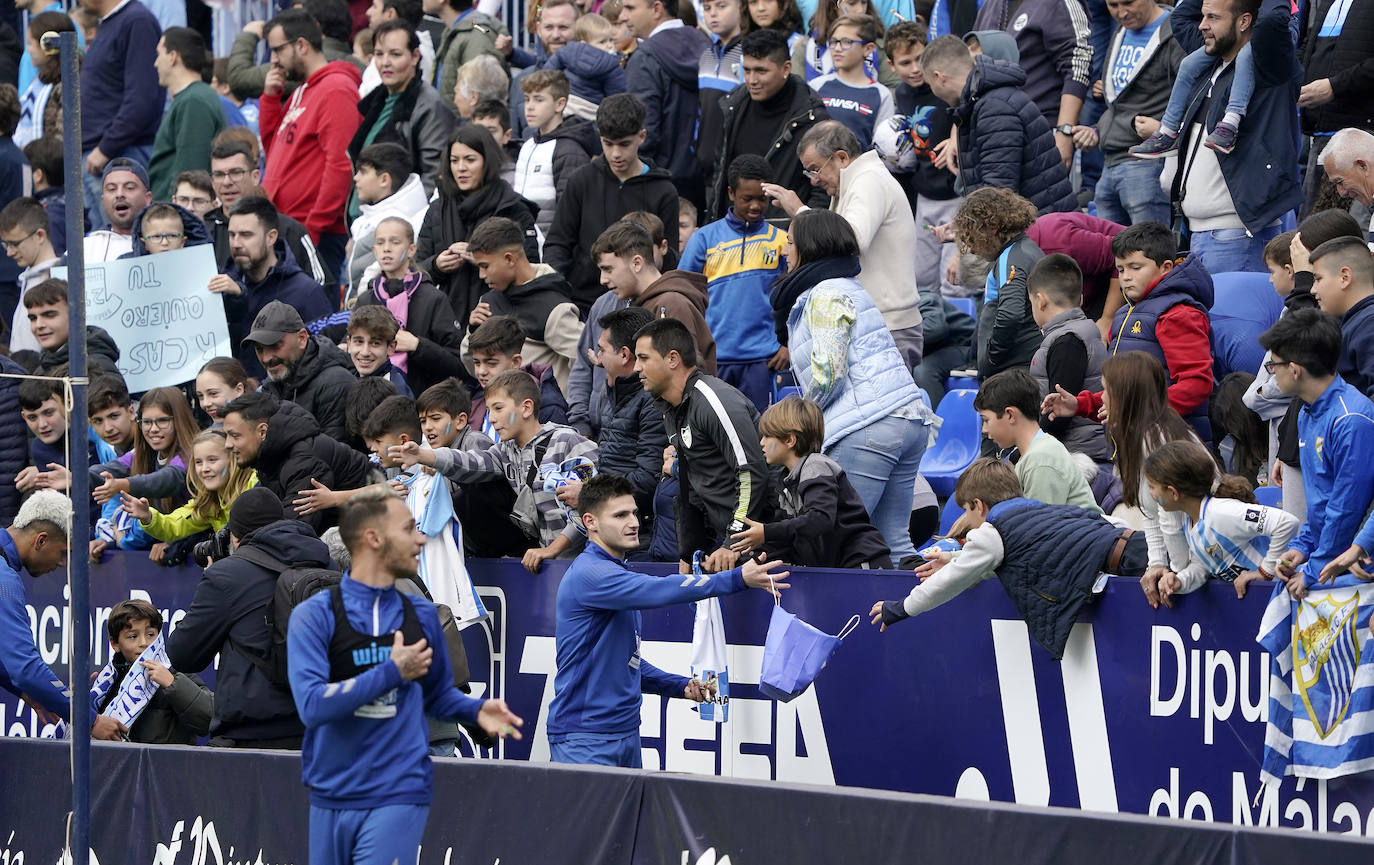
763 574
409 454
751 536
496 718
1353 560
1061 403
135 507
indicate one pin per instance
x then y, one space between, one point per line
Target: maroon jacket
1087 240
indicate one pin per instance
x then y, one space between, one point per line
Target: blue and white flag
137 689
709 665
1321 682
443 569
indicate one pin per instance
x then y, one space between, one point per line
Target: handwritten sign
159 312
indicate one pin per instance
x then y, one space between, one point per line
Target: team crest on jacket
686 433
1020 21
1319 442
1326 654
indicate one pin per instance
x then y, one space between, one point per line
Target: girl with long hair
1136 410
781 15
215 481
155 469
1222 524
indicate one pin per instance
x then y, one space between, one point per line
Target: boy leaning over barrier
1048 557
179 710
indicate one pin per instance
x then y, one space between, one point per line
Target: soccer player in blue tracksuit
364 676
601 676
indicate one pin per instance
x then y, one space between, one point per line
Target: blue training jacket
352 762
22 670
600 672
740 261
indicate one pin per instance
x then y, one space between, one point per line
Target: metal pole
79 839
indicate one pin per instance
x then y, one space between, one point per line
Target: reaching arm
19 658
652 680
624 589
979 559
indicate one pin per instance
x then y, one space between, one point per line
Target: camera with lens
213 549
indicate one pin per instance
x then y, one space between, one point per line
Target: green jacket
472 36
247 77
183 137
183 522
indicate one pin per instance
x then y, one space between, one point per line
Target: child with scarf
428 344
176 709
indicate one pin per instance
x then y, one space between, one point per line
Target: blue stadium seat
957 445
785 392
964 305
951 512
1269 496
1244 306
961 382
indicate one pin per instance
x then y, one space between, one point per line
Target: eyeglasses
11 245
162 239
190 203
1271 365
844 44
812 173
164 422
234 174
274 50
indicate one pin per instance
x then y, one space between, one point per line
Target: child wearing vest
1048 557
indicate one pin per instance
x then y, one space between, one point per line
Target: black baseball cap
273 322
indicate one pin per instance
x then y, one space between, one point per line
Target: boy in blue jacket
740 256
594 718
364 675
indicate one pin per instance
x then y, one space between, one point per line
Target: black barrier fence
188 806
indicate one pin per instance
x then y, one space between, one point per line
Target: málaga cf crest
1326 654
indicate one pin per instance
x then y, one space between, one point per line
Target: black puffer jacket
295 451
319 385
228 615
451 219
420 122
633 439
101 353
431 320
1005 142
14 438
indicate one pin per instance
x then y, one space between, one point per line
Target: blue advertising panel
1150 712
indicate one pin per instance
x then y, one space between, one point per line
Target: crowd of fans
511 269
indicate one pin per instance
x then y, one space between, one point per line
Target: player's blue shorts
372 836
591 749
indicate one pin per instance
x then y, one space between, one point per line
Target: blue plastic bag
795 653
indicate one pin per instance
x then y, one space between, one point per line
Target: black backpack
294 585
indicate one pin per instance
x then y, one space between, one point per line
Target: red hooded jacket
309 175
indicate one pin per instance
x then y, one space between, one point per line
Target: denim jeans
1129 192
1229 250
881 461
